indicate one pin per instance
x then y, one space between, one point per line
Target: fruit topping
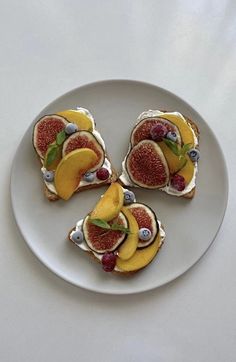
178 182
194 154
146 219
109 206
158 132
45 132
144 234
147 166
77 237
84 139
71 128
129 197
108 262
70 170
142 131
102 174
48 176
171 136
89 176
129 246
102 239
79 117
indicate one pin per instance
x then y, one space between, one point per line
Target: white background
50 47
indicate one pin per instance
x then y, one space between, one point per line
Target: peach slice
141 258
69 170
184 129
79 118
187 171
128 248
110 204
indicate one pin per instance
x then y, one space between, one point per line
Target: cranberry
108 262
102 173
158 132
178 182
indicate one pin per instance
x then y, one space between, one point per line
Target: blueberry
172 136
129 197
89 176
48 176
194 154
77 237
71 128
144 234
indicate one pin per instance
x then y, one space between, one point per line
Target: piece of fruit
89 176
171 159
108 262
79 118
70 170
101 240
142 131
110 204
171 136
48 176
183 127
71 128
194 154
141 257
178 182
147 166
129 246
158 132
129 197
84 139
144 234
45 132
145 218
187 171
102 173
77 237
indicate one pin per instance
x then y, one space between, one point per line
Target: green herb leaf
173 146
61 136
119 227
101 223
51 155
186 148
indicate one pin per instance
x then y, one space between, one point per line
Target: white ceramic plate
191 226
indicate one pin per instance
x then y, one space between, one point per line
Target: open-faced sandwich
120 233
72 153
163 154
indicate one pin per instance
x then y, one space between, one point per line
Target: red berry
178 182
102 173
158 132
108 262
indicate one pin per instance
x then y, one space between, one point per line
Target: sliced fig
142 130
84 139
145 218
147 166
102 240
45 132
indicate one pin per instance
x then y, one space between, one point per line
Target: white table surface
49 47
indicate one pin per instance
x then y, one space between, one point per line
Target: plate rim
117 291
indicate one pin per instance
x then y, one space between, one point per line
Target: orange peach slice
69 170
141 258
79 118
129 246
110 204
184 129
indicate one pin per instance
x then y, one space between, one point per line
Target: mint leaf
61 136
173 146
101 223
186 148
51 155
119 227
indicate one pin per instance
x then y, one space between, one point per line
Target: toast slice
172 140
72 154
124 236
